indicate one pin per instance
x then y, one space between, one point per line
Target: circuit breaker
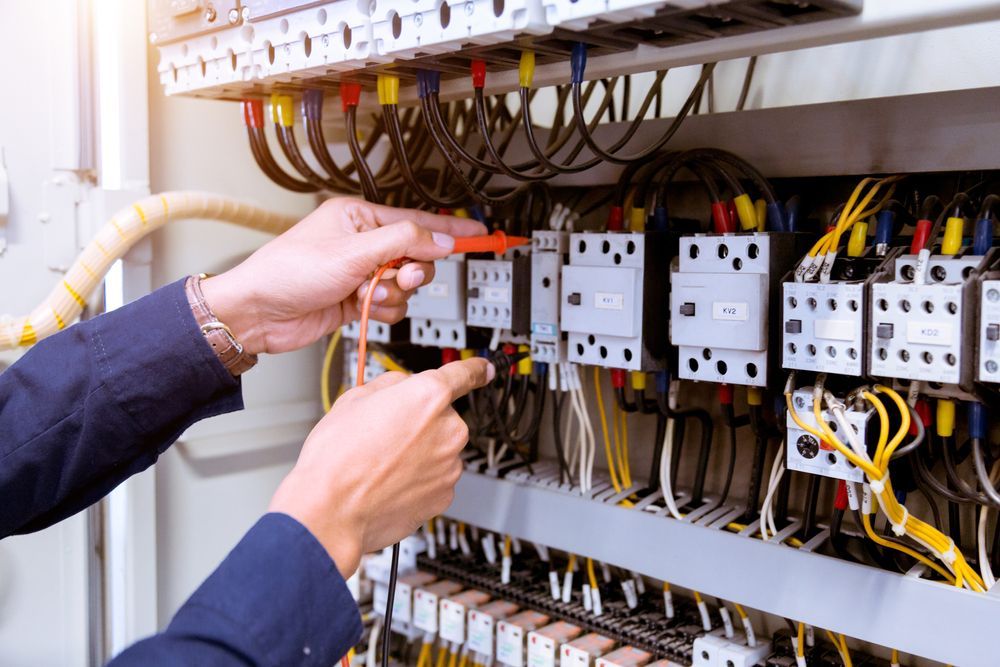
378 332
823 324
499 293
806 453
437 310
720 300
922 331
614 294
549 252
988 366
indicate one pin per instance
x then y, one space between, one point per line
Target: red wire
366 307
344 662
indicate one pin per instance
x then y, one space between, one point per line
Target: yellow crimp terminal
524 365
952 241
467 354
460 213
388 89
637 220
282 110
755 396
638 380
760 210
526 70
945 421
746 212
856 243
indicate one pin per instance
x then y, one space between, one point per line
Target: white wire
772 484
371 653
665 473
984 561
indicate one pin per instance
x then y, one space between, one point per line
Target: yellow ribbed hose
69 297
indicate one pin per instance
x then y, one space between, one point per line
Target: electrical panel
720 304
613 299
549 251
499 294
173 20
437 310
921 332
806 453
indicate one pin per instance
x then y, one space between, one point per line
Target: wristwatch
229 350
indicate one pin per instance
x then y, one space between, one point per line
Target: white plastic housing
548 254
988 367
823 327
805 453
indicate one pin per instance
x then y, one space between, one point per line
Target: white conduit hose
69 297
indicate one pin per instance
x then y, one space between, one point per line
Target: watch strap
222 341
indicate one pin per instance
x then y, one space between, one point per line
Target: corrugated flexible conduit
69 297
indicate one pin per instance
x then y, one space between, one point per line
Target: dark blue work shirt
86 408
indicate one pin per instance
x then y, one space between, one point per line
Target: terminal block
549 251
378 332
437 310
716 650
720 301
824 324
923 331
614 294
499 293
988 362
806 453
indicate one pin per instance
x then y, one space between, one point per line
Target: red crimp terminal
253 113
511 350
920 235
840 501
350 95
923 410
616 219
617 378
733 215
725 394
721 223
478 68
448 355
444 211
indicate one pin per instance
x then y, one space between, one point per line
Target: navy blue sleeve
277 599
87 408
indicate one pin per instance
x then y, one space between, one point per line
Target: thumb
461 377
403 239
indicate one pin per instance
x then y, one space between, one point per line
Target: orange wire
366 307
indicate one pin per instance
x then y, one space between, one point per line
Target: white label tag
541 650
439 530
567 589
609 300
554 584
505 570
668 604
852 496
834 330
572 656
452 621
510 644
438 290
425 611
595 593
730 311
588 602
631 599
463 544
496 294
606 573
490 548
706 621
431 545
930 333
727 622
543 328
640 585
481 633
453 536
543 552
751 635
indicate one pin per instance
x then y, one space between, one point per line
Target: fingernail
443 240
380 293
491 372
417 278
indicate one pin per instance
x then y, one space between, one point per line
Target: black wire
389 599
812 501
653 482
730 417
759 460
265 160
368 187
557 410
747 79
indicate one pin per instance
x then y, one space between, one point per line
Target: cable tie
900 528
877 485
949 556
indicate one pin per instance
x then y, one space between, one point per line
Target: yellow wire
800 643
389 363
452 658
464 660
324 379
425 653
845 652
697 596
878 539
904 427
740 610
442 656
590 573
616 435
895 656
506 545
571 566
604 430
831 438
350 656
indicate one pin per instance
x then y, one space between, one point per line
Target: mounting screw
418 20
993 295
991 366
326 40
234 16
800 402
469 8
245 13
210 14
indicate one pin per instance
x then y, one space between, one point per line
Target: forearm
277 599
89 407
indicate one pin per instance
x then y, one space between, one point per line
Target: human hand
310 280
383 461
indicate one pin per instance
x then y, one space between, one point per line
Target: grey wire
921 432
982 473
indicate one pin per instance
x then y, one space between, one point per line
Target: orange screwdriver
497 242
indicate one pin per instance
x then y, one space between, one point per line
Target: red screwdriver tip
497 242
